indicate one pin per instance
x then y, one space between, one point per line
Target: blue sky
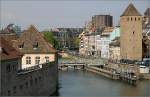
46 14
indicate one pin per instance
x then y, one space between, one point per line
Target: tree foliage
50 38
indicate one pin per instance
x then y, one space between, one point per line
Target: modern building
100 21
131 34
35 48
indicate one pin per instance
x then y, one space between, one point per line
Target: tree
48 36
76 42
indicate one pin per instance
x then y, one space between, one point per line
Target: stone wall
40 82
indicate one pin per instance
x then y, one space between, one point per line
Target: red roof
7 51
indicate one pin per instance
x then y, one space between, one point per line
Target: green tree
48 36
76 42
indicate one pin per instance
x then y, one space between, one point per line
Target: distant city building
67 37
100 21
104 42
10 32
131 34
114 49
146 41
147 12
146 17
35 48
115 33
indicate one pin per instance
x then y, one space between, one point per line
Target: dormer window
35 45
21 45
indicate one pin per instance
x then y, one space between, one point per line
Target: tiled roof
7 51
131 11
30 38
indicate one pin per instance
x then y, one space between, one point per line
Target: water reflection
80 83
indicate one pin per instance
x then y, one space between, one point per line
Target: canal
81 83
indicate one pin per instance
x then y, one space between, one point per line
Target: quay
106 71
130 78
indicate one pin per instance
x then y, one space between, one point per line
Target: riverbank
111 74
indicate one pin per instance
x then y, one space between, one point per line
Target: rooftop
32 41
7 51
131 11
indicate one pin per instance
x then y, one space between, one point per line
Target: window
31 82
135 19
131 18
9 93
35 80
21 45
133 32
8 68
26 84
21 87
14 67
37 60
35 45
14 89
128 19
28 60
40 78
139 19
47 59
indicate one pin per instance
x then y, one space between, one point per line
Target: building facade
100 21
114 50
131 34
17 81
35 48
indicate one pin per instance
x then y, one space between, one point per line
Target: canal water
82 83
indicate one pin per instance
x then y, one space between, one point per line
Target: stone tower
131 34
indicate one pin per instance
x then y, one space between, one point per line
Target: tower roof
131 11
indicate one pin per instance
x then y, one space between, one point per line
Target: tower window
135 19
131 18
128 19
133 32
139 19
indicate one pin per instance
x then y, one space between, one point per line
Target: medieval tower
131 34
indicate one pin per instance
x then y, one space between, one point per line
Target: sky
46 14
